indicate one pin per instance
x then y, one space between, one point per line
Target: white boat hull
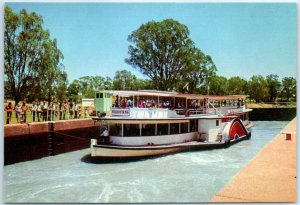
126 147
144 151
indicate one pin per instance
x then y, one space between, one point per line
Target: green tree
61 86
143 84
218 85
258 88
289 86
51 72
108 85
197 74
273 86
74 89
124 80
88 85
237 86
164 52
29 54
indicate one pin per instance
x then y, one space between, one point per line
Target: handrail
219 112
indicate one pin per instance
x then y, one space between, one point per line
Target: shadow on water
106 160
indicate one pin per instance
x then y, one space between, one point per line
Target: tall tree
108 83
164 52
124 80
217 85
74 89
258 89
88 85
237 86
273 86
196 75
61 86
289 86
28 54
51 71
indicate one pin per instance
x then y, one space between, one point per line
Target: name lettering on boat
120 112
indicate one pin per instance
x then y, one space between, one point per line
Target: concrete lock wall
273 114
73 135
30 141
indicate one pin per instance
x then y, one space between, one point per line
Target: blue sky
244 39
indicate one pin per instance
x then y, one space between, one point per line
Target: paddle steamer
146 123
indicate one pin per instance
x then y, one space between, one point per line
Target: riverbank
269 177
272 105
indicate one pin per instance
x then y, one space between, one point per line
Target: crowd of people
141 103
178 103
45 111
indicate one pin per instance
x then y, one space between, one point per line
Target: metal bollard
288 136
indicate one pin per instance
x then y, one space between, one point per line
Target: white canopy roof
128 93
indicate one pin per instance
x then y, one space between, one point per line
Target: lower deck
164 132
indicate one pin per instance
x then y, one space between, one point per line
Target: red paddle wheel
237 130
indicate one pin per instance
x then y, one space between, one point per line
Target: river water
183 177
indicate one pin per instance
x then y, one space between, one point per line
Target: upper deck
147 104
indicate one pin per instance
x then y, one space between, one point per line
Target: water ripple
183 177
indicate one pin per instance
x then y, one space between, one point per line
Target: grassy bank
272 105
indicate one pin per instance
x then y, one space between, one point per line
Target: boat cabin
160 104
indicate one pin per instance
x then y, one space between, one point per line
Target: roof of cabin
127 93
212 97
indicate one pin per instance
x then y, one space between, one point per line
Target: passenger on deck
179 105
123 103
104 136
128 103
159 105
104 133
140 103
239 103
166 104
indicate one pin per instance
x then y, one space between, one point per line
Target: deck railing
165 112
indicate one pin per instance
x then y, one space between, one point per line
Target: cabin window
184 127
115 130
148 130
174 128
131 130
162 129
193 125
217 122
